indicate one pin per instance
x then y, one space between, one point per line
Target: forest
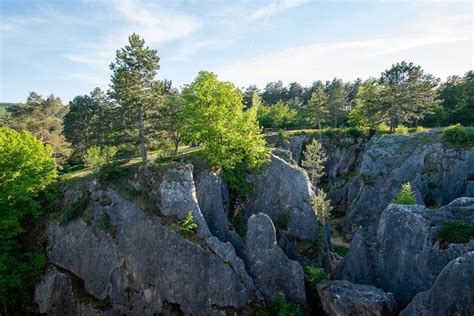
140 117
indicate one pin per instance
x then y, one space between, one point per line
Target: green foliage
277 116
237 183
27 167
283 135
456 232
75 210
106 224
313 161
89 121
97 157
420 129
239 221
214 117
458 135
382 127
284 219
405 196
42 118
282 308
315 275
432 184
340 250
187 225
321 206
401 130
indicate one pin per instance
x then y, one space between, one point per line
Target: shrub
284 219
432 184
321 206
340 250
456 232
314 159
382 127
458 135
315 275
96 156
401 130
419 129
405 196
282 308
283 135
188 227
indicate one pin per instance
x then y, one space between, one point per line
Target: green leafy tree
365 114
277 116
313 161
317 109
187 225
97 157
337 100
214 117
27 167
135 89
89 121
274 92
44 119
408 94
405 196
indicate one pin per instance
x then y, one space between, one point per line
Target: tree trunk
176 145
142 140
320 133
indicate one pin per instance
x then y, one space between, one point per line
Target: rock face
345 298
451 294
404 256
213 198
271 269
284 190
438 175
140 265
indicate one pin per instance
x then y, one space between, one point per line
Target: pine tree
314 159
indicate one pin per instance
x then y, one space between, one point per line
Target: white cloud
275 7
438 47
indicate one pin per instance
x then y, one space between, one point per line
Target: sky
65 47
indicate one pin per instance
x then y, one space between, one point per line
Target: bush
340 250
284 219
419 129
188 227
382 127
283 135
456 232
401 130
405 196
315 275
282 308
97 157
458 135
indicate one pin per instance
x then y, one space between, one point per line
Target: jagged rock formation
271 269
451 294
284 190
404 257
134 260
345 298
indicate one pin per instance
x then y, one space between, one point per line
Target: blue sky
65 47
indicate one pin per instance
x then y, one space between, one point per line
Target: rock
177 196
55 296
438 175
143 265
345 298
451 294
270 268
212 195
418 258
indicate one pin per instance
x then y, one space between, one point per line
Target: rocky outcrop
345 298
213 199
404 257
451 294
141 265
283 192
271 269
438 175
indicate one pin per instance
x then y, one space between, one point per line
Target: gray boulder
142 265
404 257
212 196
451 294
270 268
345 298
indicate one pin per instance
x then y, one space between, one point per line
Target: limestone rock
270 268
345 298
451 294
